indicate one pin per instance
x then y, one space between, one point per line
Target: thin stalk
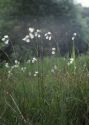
18 108
73 52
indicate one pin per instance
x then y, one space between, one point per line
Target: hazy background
61 17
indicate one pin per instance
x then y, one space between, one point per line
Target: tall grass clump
44 91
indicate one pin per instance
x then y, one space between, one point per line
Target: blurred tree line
61 17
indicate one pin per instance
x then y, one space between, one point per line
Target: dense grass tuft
55 96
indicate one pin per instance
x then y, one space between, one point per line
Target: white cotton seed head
47 37
72 59
53 49
39 35
53 52
52 70
55 67
31 29
36 72
34 60
3 39
38 30
45 34
26 38
74 34
28 61
6 42
73 38
35 75
36 34
49 33
6 36
31 36
50 38
17 62
28 41
6 65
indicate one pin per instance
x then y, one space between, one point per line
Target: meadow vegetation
44 62
42 91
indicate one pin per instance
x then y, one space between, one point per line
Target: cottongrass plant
72 60
43 91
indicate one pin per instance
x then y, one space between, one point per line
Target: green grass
59 98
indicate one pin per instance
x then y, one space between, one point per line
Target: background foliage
62 17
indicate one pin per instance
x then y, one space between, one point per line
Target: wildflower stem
18 108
